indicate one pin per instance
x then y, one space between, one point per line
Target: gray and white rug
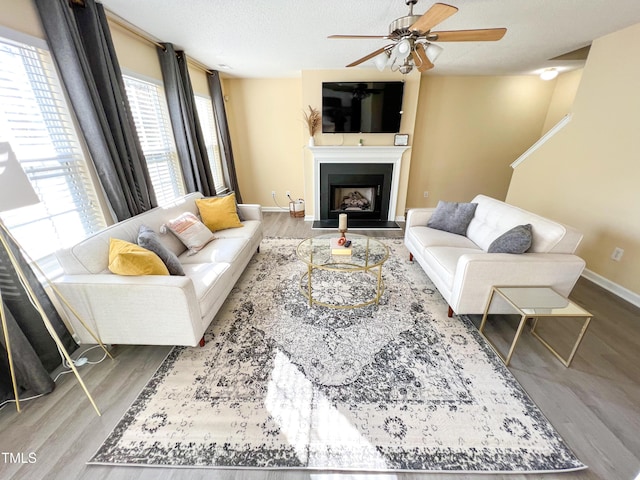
399 386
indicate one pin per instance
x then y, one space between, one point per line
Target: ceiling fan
413 39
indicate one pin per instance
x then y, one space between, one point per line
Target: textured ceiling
280 38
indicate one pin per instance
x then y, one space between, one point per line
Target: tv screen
361 107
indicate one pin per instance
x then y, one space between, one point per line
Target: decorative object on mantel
413 39
401 139
313 120
388 387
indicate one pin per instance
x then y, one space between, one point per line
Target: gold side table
534 303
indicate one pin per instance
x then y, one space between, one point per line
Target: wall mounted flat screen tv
361 107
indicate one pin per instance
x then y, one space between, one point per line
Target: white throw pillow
190 231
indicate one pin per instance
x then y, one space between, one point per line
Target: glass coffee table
535 303
367 255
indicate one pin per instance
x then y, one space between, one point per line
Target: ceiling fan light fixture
406 68
433 51
403 48
549 74
381 60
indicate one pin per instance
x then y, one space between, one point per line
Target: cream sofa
464 272
156 309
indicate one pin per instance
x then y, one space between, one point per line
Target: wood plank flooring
594 405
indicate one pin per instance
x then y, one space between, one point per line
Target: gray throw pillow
149 239
452 217
516 240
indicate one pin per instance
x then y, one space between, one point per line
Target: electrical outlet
426 194
617 254
273 193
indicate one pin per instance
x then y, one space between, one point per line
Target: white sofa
156 309
464 272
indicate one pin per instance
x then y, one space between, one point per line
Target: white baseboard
612 287
275 209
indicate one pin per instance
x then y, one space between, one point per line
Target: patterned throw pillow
190 231
452 217
517 240
149 239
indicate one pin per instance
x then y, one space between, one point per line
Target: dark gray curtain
190 143
220 114
81 45
34 352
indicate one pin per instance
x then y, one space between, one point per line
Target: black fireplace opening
361 190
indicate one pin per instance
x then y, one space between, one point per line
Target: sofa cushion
206 278
453 217
191 231
429 237
149 239
517 240
225 250
493 218
219 213
126 258
443 262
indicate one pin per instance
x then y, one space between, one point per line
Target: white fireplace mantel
357 154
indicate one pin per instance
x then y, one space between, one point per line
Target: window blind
151 117
209 131
35 119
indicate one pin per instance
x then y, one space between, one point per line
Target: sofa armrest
477 273
150 309
418 216
250 211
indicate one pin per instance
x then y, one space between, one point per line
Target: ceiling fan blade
368 57
420 58
481 35
359 36
432 17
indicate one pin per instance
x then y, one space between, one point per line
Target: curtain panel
80 43
34 353
220 114
190 144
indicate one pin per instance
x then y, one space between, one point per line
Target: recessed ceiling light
549 74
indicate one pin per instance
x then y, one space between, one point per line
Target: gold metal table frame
534 303
368 257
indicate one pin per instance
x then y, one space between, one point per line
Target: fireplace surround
362 182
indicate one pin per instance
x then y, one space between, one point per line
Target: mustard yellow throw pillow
127 258
219 213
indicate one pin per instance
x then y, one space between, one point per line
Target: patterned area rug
399 386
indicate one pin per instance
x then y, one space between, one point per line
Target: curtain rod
119 21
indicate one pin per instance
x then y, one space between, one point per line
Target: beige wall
265 120
564 93
22 16
468 131
588 174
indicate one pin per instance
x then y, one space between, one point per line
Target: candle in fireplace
342 222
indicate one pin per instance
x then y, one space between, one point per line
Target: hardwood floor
594 405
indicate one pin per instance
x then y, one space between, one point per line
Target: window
35 119
151 117
210 133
